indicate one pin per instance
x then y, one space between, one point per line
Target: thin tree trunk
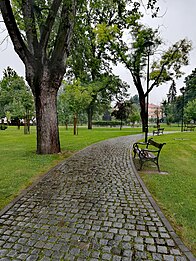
90 116
75 124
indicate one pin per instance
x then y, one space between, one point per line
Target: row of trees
74 99
16 100
82 39
174 104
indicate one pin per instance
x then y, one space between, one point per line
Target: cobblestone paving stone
90 207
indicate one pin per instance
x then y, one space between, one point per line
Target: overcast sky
177 22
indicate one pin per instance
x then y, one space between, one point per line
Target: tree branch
155 83
63 39
30 27
13 30
47 27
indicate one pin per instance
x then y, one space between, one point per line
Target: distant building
154 111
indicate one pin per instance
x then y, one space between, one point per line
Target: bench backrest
155 144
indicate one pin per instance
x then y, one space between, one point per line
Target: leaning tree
133 52
41 33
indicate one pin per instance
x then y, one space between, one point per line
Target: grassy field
175 192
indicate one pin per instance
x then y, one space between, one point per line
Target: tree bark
47 122
143 112
75 124
46 114
45 65
90 117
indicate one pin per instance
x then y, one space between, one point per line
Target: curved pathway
93 206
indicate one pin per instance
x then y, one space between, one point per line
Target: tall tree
88 57
77 98
133 53
172 92
41 33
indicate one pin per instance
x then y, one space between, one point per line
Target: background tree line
172 107
82 39
16 101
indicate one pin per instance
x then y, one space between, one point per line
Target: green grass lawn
175 192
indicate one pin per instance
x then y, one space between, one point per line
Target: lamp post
147 45
183 92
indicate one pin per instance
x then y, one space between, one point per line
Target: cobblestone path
90 207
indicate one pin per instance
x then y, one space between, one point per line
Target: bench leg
157 163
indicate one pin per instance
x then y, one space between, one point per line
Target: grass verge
175 192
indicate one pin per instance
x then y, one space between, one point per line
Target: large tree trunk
45 61
47 122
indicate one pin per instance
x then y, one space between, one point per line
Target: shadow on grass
148 168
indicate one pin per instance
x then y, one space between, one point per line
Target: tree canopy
41 32
131 50
15 96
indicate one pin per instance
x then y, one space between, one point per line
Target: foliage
190 111
15 97
133 51
174 105
76 96
122 111
75 99
190 86
64 113
173 110
135 110
135 115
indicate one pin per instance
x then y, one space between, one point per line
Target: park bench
149 151
189 128
158 131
